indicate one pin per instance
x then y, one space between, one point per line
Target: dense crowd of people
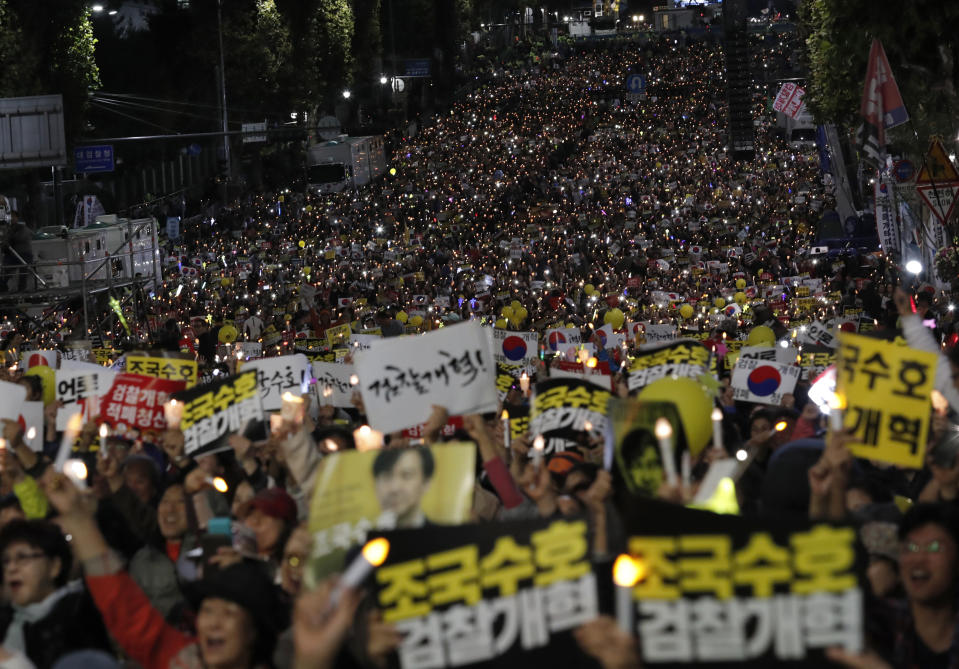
545 199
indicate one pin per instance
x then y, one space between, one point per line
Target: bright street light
914 267
97 8
382 78
346 94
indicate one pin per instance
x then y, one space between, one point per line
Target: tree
921 40
50 47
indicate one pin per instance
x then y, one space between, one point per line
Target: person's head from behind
141 476
401 477
10 509
929 546
36 560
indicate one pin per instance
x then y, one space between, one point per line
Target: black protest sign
723 591
684 358
564 407
213 411
492 595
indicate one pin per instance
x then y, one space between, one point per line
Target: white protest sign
514 348
78 381
819 333
12 396
250 349
30 359
763 382
362 341
333 385
556 337
606 338
402 377
660 332
783 355
276 376
31 416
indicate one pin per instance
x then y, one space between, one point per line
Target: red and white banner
135 402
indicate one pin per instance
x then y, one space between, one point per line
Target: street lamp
97 8
383 79
346 94
914 267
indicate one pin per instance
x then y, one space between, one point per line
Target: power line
106 108
152 108
189 104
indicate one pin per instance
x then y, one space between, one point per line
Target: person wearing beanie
239 612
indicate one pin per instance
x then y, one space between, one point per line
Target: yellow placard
175 369
338 335
886 390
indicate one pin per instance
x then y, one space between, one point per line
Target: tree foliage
48 48
921 40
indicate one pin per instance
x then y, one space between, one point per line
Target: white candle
74 425
686 469
717 417
626 573
104 430
372 556
506 436
524 383
539 444
836 405
664 435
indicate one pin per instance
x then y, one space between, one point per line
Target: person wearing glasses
47 615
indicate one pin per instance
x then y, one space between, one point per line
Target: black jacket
73 624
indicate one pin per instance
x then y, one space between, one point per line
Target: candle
686 470
836 405
367 439
664 435
218 483
74 426
506 436
76 470
524 383
290 409
173 412
626 573
104 430
539 444
371 556
717 416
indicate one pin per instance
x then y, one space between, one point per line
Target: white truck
344 163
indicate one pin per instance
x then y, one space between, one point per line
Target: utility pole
226 137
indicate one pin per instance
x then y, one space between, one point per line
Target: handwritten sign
333 385
400 378
276 376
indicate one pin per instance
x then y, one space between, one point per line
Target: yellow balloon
761 335
416 321
740 283
515 306
501 323
686 311
402 316
226 281
521 314
692 402
227 334
588 289
48 379
301 244
616 318
740 297
719 303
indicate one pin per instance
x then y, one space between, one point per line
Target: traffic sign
254 132
89 159
937 168
940 198
636 84
903 170
328 127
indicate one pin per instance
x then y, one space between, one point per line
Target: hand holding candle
664 435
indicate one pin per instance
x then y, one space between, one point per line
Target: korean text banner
356 491
684 358
171 366
213 411
493 595
333 385
80 387
514 348
562 408
401 377
135 402
276 376
730 591
762 381
886 390
507 378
